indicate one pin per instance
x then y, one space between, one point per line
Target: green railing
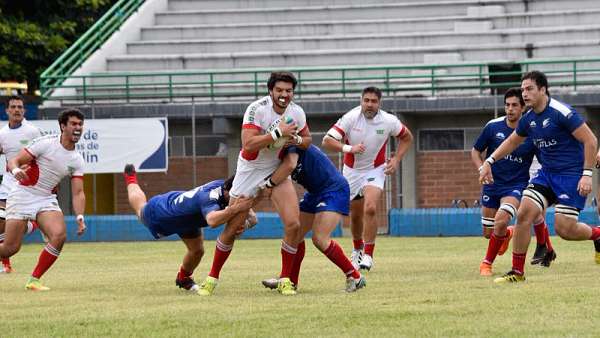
87 44
418 80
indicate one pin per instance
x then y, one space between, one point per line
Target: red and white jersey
374 133
52 162
260 115
12 140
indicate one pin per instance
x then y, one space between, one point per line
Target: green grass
418 287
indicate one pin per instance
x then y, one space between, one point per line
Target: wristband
490 160
346 148
298 139
587 172
15 171
276 134
270 183
80 218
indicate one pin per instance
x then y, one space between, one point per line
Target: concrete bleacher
195 35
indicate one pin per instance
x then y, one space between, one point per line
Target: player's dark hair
538 77
514 92
64 116
373 90
228 183
281 76
14 98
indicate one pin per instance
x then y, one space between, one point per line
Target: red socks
595 233
335 254
540 232
295 274
47 258
369 248
183 274
129 179
518 263
222 252
288 253
493 247
358 244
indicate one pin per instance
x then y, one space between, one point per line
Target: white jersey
52 162
12 140
374 133
260 115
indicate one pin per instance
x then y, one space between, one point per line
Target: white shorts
247 179
24 205
359 179
8 183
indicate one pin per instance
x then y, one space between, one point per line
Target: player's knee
11 248
320 241
197 252
293 225
370 209
501 223
57 238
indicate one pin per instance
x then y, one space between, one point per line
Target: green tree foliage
33 33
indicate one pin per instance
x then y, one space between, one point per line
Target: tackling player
321 209
50 159
500 199
567 148
13 137
184 213
266 122
362 135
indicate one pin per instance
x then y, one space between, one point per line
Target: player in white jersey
267 123
362 135
13 137
49 159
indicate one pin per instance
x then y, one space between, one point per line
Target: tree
33 33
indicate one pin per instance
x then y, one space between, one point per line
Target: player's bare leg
223 249
135 194
528 212
195 251
324 223
13 236
372 195
6 267
52 223
487 221
357 210
285 200
501 235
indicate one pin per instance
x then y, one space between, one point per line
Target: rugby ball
282 140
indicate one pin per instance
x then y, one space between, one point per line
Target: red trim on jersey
33 173
380 158
251 126
248 155
29 152
77 176
402 132
303 129
339 130
349 158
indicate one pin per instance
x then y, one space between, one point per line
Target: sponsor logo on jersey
532 124
513 158
540 143
486 198
24 142
564 197
321 204
380 131
71 170
500 136
546 123
518 192
370 179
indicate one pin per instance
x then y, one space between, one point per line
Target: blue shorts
492 194
564 188
336 201
162 228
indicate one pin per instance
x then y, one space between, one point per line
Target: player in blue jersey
325 202
567 150
184 213
500 199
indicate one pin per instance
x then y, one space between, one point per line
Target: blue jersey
314 171
183 212
513 169
551 132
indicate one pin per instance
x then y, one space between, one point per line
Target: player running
184 213
13 137
567 148
500 199
362 135
321 209
50 159
268 123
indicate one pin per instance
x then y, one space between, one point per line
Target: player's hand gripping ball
280 142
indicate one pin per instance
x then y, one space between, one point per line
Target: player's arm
404 142
289 163
507 147
78 202
253 140
477 158
584 135
304 140
217 217
14 164
333 142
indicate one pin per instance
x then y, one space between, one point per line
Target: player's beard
369 114
278 102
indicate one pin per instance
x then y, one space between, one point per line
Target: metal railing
414 80
87 44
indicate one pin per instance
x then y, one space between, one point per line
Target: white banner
106 145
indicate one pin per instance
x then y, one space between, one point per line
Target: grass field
418 287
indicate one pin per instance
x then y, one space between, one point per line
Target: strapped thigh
509 209
567 211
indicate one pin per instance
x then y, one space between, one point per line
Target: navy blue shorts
336 201
491 195
564 188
